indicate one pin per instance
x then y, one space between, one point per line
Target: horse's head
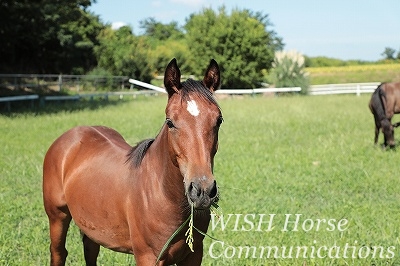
388 133
193 119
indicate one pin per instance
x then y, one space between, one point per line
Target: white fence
224 91
259 90
348 88
78 83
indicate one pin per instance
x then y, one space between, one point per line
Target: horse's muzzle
202 196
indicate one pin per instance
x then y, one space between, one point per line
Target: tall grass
310 155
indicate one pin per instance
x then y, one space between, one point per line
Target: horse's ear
212 78
172 78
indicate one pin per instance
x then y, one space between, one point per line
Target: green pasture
310 156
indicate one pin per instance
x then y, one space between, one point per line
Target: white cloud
118 24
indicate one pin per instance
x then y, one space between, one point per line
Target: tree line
48 37
52 37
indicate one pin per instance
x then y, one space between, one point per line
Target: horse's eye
170 124
219 121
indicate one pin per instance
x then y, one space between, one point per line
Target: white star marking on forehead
192 108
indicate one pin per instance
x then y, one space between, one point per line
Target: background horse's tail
378 101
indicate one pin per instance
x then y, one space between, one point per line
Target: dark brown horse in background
384 103
132 199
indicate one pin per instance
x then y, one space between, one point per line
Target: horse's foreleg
59 224
91 250
376 134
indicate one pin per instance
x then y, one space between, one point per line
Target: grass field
354 74
312 156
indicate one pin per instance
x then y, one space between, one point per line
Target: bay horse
133 199
384 103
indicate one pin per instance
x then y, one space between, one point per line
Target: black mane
137 153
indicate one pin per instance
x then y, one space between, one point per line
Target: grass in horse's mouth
189 233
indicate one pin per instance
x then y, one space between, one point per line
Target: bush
288 71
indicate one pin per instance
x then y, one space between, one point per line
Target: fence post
78 86
358 90
59 82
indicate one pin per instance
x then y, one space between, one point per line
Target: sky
342 29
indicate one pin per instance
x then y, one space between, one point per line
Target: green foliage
240 42
165 41
388 53
123 54
159 31
289 71
161 55
98 79
323 61
47 37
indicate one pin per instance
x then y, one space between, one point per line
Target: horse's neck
166 176
168 187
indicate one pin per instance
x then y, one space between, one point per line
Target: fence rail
19 98
224 91
61 82
8 99
354 88
348 88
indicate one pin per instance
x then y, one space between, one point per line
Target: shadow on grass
40 106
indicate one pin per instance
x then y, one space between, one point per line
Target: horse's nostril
194 190
202 197
214 190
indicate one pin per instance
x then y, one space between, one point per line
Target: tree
120 52
77 38
166 41
123 54
388 53
161 55
240 42
160 31
47 36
